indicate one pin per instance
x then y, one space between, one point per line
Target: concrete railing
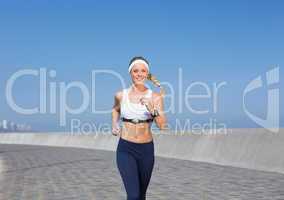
248 148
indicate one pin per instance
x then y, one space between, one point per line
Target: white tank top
131 110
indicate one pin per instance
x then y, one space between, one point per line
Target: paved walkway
40 172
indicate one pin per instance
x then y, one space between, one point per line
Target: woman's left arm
161 119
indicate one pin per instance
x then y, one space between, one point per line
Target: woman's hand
115 129
148 103
116 114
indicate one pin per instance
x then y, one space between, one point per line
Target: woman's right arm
116 113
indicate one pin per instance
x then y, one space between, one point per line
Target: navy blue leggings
135 162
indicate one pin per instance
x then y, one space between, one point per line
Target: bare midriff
138 133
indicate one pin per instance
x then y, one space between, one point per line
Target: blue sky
210 41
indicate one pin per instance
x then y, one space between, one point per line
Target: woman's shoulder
119 94
156 94
157 97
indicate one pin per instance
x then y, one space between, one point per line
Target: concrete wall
249 148
1 167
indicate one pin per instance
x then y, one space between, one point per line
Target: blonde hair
156 82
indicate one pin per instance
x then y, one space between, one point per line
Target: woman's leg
128 169
145 168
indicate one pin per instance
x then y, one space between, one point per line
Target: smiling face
139 74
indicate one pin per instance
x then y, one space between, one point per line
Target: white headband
138 61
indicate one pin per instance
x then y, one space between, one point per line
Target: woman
138 107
